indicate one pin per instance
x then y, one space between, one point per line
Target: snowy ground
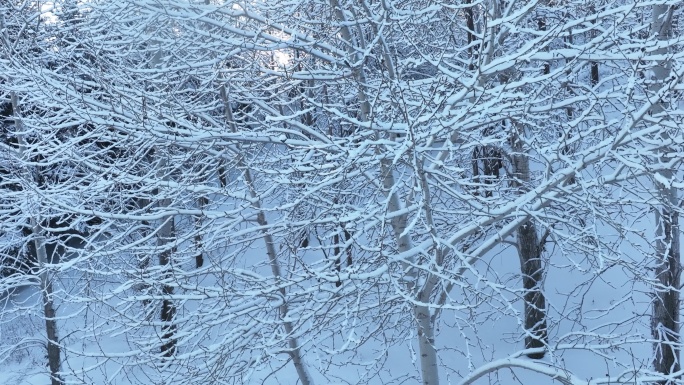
496 336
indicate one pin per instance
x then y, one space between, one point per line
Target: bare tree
421 136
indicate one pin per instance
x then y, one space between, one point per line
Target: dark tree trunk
347 238
168 310
532 275
339 251
168 348
666 304
223 178
487 160
529 251
338 258
594 73
470 24
199 257
53 350
665 320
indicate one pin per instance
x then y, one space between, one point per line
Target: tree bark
529 252
199 257
666 302
53 348
470 24
426 340
665 320
166 235
594 73
532 276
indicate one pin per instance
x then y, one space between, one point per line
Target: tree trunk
166 235
594 73
532 274
593 65
425 322
665 320
470 24
665 317
429 369
347 238
529 251
338 257
292 342
199 257
53 349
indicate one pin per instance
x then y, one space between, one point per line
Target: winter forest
341 192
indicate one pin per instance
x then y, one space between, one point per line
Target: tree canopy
357 192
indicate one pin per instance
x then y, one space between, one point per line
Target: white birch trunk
425 321
294 349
